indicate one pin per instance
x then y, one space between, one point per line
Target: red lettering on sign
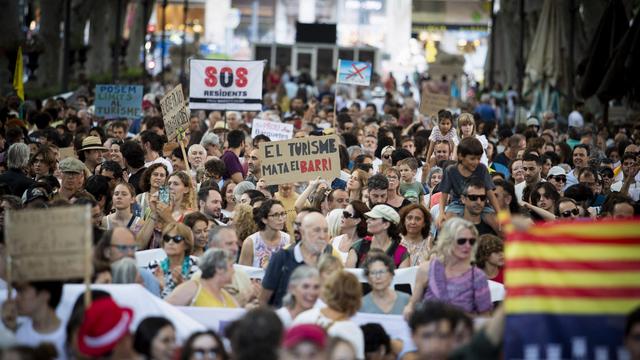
242 80
324 165
303 166
226 76
210 73
318 164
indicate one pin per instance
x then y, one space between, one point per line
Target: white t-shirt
576 119
347 330
26 335
285 316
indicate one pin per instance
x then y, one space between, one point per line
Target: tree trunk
10 30
48 73
136 36
101 37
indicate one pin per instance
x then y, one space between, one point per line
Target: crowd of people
415 191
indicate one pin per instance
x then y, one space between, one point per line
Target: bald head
314 232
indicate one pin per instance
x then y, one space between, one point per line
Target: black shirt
279 270
16 182
134 179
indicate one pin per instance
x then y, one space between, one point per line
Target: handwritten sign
174 112
119 101
300 159
66 152
431 102
225 85
48 244
274 130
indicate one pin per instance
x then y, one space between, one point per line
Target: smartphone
163 194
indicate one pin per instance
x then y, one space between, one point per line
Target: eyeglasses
568 213
462 241
176 239
347 215
125 248
386 156
477 197
558 178
211 353
278 215
608 175
377 273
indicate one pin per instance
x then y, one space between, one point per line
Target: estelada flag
569 287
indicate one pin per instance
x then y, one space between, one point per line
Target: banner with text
354 72
48 244
225 85
118 101
174 112
431 103
300 159
274 130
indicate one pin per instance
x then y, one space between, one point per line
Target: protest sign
66 152
354 72
49 244
570 286
225 85
174 112
300 159
118 101
431 102
274 130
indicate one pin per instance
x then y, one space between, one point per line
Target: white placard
225 85
274 130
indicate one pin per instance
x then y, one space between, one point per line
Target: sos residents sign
225 85
300 159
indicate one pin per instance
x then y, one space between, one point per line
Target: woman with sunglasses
204 345
558 178
450 276
353 227
568 209
178 266
258 248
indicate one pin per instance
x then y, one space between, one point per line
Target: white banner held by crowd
274 130
225 85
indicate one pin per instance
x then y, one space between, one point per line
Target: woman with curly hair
243 221
258 248
490 257
152 179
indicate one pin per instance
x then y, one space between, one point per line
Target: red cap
305 333
104 324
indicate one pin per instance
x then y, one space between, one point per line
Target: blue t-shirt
453 183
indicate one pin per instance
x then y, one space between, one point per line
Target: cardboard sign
119 101
49 244
274 130
225 85
354 72
174 112
431 102
67 152
300 159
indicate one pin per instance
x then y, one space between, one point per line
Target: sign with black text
225 85
274 130
300 159
174 112
118 101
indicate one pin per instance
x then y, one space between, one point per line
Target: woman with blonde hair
243 221
450 276
178 266
356 184
182 194
342 293
334 218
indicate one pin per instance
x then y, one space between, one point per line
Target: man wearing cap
533 124
14 178
558 178
91 152
314 233
104 332
73 171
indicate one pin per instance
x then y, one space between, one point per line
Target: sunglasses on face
607 175
347 215
176 239
462 241
559 178
568 213
477 197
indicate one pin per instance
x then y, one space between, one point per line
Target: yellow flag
18 85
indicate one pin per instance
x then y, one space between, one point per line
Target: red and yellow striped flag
571 280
